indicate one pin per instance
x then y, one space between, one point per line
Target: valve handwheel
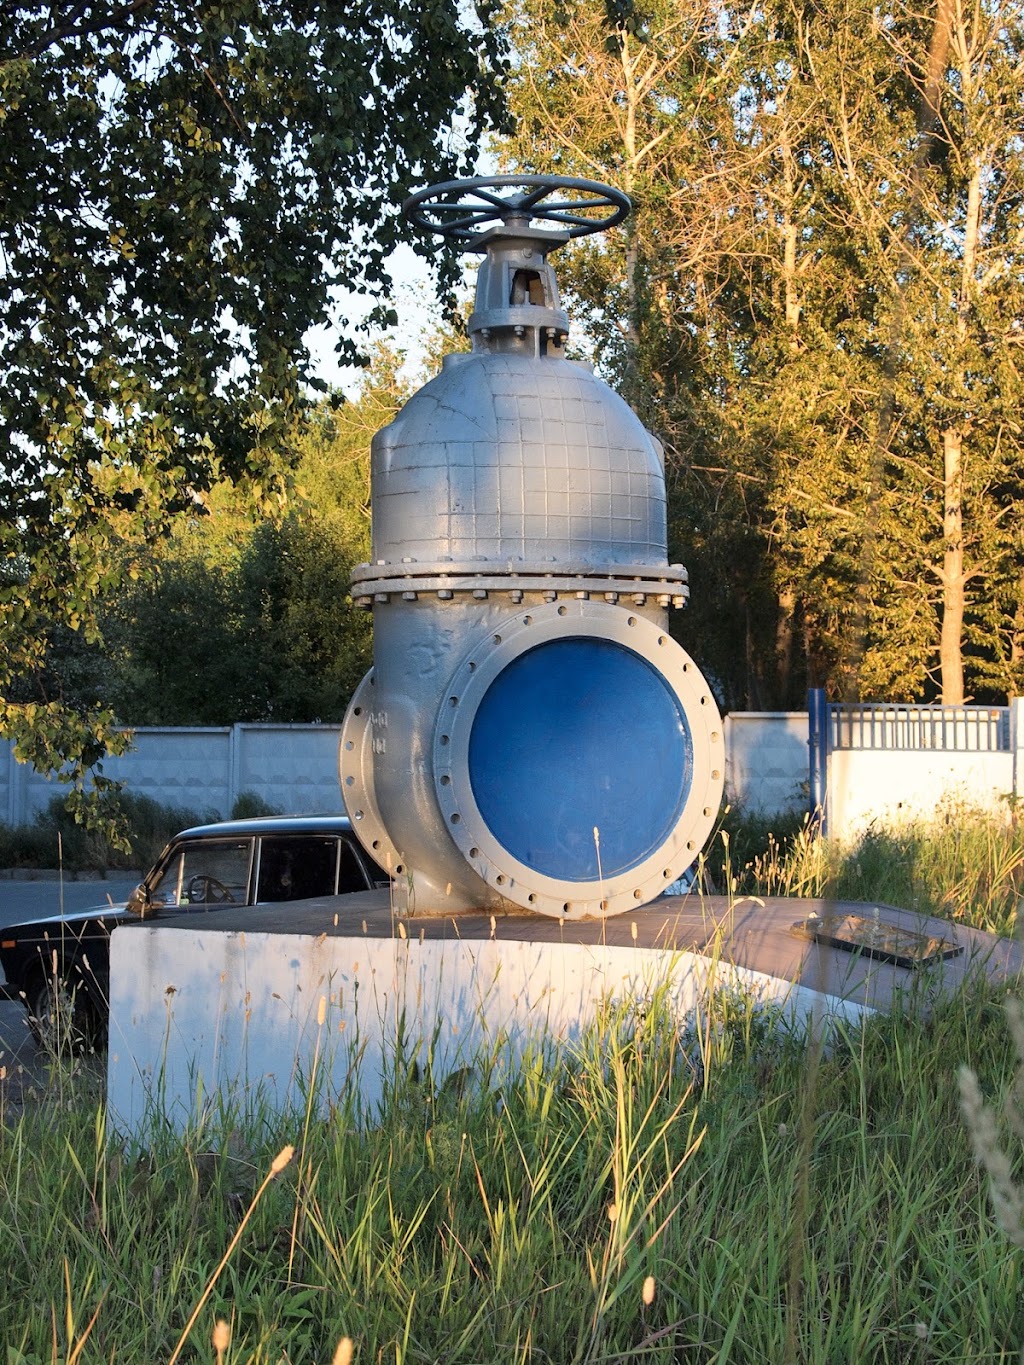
459 209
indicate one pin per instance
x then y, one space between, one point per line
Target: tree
182 188
652 99
246 617
919 117
818 307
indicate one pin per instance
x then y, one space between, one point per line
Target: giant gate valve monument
529 739
530 736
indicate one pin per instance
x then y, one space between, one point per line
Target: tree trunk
790 233
784 647
754 659
951 660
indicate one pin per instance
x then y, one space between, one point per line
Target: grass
669 1191
961 864
621 1205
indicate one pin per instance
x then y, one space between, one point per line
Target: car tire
62 1018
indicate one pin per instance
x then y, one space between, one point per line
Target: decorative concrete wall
293 768
766 760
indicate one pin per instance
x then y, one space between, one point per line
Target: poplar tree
819 310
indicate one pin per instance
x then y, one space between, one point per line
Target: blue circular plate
576 735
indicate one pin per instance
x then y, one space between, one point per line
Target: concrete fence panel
185 766
766 760
293 768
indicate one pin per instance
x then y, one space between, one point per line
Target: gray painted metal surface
529 735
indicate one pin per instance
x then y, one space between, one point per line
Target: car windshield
204 872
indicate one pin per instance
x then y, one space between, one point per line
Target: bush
151 826
54 839
249 806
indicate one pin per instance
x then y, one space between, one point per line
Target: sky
418 311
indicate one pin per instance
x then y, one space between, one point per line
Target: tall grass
961 863
703 1192
624 1204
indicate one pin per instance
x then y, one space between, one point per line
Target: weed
961 863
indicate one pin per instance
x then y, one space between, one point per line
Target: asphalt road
16 1045
28 900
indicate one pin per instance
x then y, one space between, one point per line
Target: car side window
296 867
351 876
205 872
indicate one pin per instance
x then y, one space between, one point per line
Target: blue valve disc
574 735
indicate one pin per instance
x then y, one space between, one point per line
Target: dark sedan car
60 967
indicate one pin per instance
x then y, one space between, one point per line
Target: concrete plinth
242 1009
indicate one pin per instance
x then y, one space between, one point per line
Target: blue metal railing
818 742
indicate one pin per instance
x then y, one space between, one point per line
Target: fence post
817 741
1017 746
235 738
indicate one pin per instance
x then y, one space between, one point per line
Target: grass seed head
648 1291
343 1352
282 1159
1006 1197
221 1337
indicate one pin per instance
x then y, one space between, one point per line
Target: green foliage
57 839
248 618
182 188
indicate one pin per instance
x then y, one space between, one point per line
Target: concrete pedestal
242 1008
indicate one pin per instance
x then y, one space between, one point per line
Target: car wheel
62 1018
